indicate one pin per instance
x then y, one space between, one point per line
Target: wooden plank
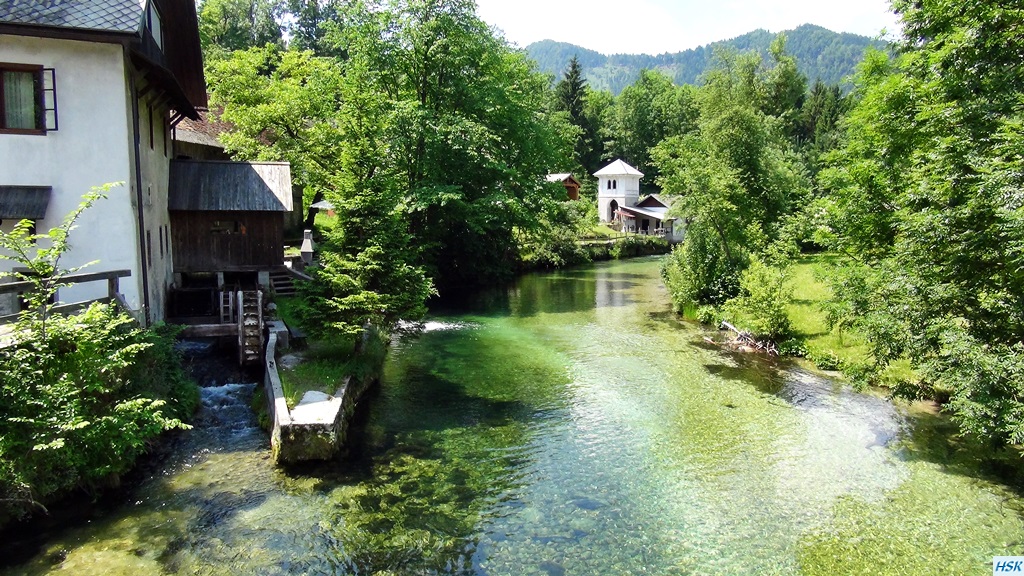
209 330
64 308
14 287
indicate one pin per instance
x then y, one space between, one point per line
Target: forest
820 54
431 134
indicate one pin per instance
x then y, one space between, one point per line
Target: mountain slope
820 54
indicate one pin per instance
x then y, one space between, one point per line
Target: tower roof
618 168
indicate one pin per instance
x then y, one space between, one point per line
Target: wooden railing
113 292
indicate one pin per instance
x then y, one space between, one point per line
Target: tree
817 130
38 259
736 179
571 96
925 198
283 105
315 26
597 105
229 25
81 396
647 112
429 137
468 138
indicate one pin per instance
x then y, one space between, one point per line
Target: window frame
38 89
158 32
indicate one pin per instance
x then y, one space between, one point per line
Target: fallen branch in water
745 339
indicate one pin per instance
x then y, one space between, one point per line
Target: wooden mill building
227 220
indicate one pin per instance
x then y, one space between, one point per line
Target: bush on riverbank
82 400
82 396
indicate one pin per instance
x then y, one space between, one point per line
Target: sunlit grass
324 365
323 369
324 222
808 319
842 347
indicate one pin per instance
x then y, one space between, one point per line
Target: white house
89 93
618 201
618 185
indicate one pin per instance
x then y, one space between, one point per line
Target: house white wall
154 154
91 147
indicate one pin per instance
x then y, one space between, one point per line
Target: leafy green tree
597 107
430 139
283 105
315 25
468 138
646 113
736 179
229 25
925 198
38 259
762 302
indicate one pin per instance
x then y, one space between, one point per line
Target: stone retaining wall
300 436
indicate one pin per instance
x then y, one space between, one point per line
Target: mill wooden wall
197 248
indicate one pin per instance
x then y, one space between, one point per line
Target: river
569 425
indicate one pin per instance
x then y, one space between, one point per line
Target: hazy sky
657 26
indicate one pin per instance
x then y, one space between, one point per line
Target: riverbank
211 369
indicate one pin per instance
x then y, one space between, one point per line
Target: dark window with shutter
28 99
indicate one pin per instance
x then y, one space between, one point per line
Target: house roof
205 131
24 201
657 213
123 16
177 67
230 186
618 168
561 178
653 201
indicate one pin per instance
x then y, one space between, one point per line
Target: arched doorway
613 207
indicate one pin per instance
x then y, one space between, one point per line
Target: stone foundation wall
294 440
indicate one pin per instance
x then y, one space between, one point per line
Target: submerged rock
552 568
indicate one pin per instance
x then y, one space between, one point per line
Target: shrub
82 400
699 272
827 360
707 315
761 306
81 396
638 245
792 347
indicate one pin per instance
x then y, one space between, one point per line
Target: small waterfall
226 408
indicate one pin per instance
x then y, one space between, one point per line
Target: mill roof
197 185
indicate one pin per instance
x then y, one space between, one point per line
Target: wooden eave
109 37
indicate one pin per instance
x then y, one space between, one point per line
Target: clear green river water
567 425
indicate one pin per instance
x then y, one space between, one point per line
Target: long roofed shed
230 186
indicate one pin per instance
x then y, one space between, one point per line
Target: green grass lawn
809 292
601 231
325 363
323 368
808 319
